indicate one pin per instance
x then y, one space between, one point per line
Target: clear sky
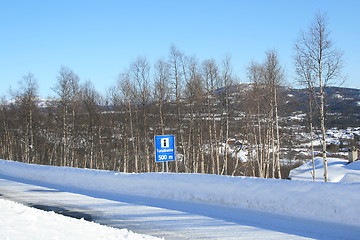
99 39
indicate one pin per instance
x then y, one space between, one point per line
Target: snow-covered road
173 219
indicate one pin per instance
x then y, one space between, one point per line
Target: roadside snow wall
336 202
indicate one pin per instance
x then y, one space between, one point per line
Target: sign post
165 149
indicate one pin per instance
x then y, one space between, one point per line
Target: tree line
200 102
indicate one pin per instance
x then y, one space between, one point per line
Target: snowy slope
336 202
21 222
339 171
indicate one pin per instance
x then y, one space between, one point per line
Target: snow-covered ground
339 171
335 202
19 222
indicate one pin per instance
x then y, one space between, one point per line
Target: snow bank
21 222
339 170
336 202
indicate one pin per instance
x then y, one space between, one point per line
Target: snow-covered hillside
336 202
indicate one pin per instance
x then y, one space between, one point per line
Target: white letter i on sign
165 142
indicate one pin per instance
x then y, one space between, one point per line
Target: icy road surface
172 219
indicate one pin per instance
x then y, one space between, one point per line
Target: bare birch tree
67 89
323 62
140 74
211 82
162 89
273 75
91 100
255 108
27 102
176 62
227 81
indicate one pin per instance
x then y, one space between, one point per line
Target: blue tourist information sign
165 148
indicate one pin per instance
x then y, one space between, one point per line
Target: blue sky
99 39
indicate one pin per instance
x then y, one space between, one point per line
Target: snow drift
339 170
336 202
